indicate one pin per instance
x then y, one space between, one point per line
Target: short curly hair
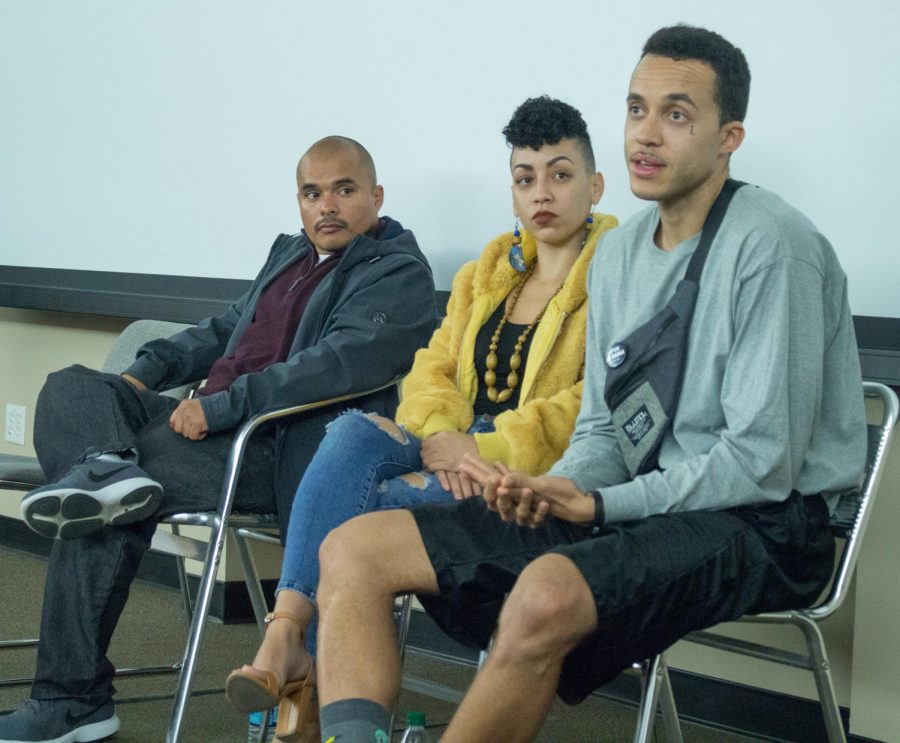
732 91
545 120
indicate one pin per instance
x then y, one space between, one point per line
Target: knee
345 422
388 426
550 609
74 382
61 380
347 554
355 424
77 374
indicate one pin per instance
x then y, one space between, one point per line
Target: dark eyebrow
671 97
681 98
550 163
337 184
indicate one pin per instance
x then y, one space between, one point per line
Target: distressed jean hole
388 426
415 479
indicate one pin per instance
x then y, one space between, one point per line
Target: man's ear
379 197
731 136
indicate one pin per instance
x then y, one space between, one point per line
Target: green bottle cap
416 719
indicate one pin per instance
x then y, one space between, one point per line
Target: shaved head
338 195
336 145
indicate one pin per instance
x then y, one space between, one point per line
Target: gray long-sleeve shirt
772 394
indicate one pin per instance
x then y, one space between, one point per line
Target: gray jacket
361 328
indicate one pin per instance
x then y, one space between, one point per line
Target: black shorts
653 580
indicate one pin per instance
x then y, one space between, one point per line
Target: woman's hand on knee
458 483
447 450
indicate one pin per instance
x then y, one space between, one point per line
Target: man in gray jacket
341 307
676 505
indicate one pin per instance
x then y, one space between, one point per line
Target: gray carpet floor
152 630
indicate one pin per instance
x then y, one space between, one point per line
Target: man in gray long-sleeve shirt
627 553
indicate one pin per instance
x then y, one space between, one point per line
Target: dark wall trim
131 295
151 296
878 339
191 298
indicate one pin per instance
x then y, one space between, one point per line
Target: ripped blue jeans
356 469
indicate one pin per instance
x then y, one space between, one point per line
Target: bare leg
365 563
550 609
282 650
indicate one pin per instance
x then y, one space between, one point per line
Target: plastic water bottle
415 729
255 724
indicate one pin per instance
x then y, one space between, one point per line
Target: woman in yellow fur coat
501 378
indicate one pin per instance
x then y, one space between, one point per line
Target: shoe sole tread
72 513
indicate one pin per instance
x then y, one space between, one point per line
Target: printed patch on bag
638 425
639 421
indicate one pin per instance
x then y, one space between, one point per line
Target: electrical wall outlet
15 424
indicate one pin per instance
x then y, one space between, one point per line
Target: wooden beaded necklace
515 361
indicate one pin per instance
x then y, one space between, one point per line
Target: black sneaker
58 721
95 493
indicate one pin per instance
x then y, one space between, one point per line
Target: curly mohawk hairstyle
546 120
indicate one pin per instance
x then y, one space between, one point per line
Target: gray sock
355 721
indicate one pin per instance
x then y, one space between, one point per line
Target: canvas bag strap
710 228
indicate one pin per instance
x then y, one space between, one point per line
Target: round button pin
616 354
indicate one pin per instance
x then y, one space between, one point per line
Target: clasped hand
527 500
189 420
442 454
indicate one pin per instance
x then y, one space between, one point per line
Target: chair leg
483 654
654 677
667 703
17 681
257 597
198 625
821 669
251 579
18 643
183 582
404 615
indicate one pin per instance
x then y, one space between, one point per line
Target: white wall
162 137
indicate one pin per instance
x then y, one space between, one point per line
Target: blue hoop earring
516 256
590 219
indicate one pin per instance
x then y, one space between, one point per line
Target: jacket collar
392 238
498 276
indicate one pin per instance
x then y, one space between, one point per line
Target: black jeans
88 579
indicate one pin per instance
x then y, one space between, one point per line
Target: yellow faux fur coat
439 390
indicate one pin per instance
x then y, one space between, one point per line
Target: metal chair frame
848 522
209 552
23 473
219 522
